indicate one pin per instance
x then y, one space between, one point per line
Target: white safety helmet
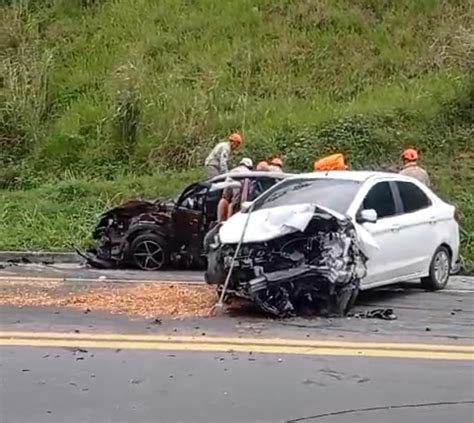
247 162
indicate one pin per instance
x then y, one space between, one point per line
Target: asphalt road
61 365
76 272
109 385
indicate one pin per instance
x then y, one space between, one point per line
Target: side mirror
245 206
368 215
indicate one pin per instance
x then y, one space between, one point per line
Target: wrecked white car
312 241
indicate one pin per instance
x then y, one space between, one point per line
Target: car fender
147 227
367 242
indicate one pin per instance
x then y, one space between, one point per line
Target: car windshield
334 194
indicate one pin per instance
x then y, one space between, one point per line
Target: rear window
413 198
335 194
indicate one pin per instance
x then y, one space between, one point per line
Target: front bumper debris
315 272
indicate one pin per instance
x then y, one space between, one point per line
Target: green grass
107 99
60 215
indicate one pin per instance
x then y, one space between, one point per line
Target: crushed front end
112 233
315 271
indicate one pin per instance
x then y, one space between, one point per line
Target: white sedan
406 231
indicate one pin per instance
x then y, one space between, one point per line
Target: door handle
395 228
432 221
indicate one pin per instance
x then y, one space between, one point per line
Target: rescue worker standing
217 162
276 165
411 168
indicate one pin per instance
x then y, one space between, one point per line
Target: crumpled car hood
267 224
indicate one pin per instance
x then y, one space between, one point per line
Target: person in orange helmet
262 166
411 167
217 162
332 162
276 165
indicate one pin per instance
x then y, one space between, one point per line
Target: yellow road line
224 344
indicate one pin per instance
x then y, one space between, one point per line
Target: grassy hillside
104 99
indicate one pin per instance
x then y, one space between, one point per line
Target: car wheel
149 252
440 269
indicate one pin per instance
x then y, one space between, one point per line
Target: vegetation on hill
106 99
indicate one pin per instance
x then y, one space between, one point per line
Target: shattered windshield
335 194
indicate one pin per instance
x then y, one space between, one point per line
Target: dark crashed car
152 235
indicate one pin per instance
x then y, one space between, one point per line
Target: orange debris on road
140 300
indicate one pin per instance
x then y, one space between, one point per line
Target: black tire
440 269
149 251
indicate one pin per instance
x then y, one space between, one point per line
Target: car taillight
457 217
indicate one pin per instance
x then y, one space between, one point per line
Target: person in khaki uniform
411 167
217 162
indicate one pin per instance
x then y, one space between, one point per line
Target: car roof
252 174
351 175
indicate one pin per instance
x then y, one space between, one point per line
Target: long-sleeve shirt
219 157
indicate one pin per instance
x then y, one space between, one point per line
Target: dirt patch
140 300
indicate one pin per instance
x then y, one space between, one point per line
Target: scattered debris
143 300
378 313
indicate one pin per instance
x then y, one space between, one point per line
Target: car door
384 263
417 228
188 219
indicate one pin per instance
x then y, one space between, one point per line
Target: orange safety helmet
333 162
276 161
410 155
235 138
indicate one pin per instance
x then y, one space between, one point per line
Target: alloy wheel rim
149 255
441 267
